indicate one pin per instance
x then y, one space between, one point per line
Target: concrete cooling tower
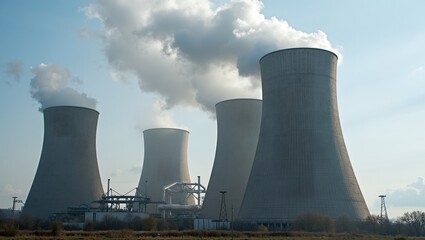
165 162
67 174
301 164
238 127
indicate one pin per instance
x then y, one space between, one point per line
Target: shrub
122 233
9 230
136 223
161 225
56 228
89 226
262 228
149 224
26 222
110 223
313 222
345 224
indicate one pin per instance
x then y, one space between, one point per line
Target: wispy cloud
9 189
117 76
418 70
117 172
413 195
136 168
14 69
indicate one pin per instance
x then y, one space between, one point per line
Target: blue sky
381 81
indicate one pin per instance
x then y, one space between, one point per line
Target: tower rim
238 99
165 128
298 48
70 106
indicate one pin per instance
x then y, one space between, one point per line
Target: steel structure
238 127
15 201
165 162
301 165
171 210
383 217
68 173
223 209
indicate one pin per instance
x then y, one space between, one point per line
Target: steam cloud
11 190
156 116
14 69
193 53
412 195
49 87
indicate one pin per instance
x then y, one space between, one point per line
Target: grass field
210 235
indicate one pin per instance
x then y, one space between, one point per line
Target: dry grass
210 235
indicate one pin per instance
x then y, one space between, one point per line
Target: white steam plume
156 116
49 87
14 69
191 53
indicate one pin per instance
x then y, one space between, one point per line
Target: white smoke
9 189
14 69
191 52
49 87
156 116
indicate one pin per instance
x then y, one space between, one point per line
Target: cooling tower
301 164
67 174
165 162
238 127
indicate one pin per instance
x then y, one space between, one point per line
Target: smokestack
68 173
165 162
301 164
238 127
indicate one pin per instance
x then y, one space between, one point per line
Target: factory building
67 174
301 164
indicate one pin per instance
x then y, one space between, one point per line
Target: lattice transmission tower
384 216
223 210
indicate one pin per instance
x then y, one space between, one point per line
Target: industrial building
301 163
68 173
165 162
276 159
238 127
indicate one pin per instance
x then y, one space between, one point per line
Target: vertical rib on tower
67 174
301 164
165 162
238 127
